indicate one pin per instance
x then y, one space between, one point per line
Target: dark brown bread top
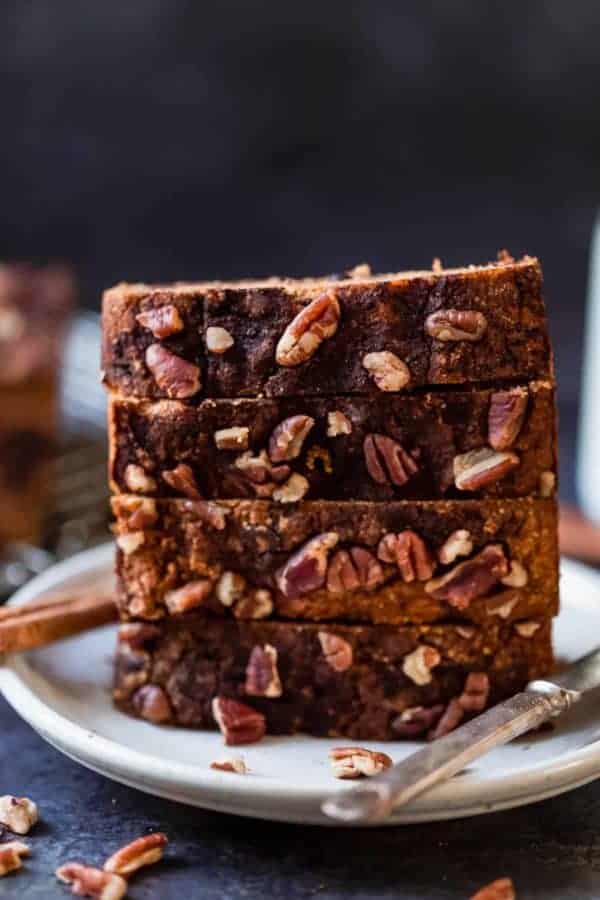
282 337
396 562
380 448
375 682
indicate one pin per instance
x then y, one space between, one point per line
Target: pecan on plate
175 376
505 417
337 651
238 723
162 321
418 665
218 340
387 461
262 676
358 762
456 325
409 552
478 468
231 764
387 370
500 889
10 856
306 569
352 569
307 331
470 579
144 851
87 881
288 437
18 814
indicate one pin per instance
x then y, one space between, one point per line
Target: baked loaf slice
366 682
448 443
405 561
359 335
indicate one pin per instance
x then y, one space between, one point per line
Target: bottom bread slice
376 681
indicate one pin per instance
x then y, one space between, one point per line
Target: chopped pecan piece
288 437
457 544
505 417
527 629
230 588
456 325
163 321
257 604
10 856
218 340
130 542
501 889
18 814
262 676
353 569
141 512
191 595
307 331
501 604
409 552
517 575
547 483
320 455
175 376
387 370
238 723
211 514
336 650
137 480
357 762
260 473
306 570
151 703
145 851
182 480
478 468
235 438
387 461
231 764
338 423
418 665
294 489
417 720
86 881
471 579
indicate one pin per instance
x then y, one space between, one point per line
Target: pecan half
517 575
257 604
478 468
231 764
238 723
137 480
505 417
336 650
130 542
306 570
151 703
471 579
145 851
352 569
191 595
10 856
218 340
230 588
358 762
456 325
86 881
162 321
18 814
500 889
387 461
234 438
387 370
409 552
457 544
175 376
338 423
182 480
307 331
418 665
294 489
288 437
262 677
417 720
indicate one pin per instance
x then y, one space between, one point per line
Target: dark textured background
178 139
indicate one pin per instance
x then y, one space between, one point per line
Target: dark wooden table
551 849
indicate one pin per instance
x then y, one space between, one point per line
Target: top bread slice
359 334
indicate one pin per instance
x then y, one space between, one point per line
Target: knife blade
540 701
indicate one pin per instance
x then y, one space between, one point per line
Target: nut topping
336 651
338 423
409 552
238 723
141 511
137 634
262 677
137 480
456 325
418 664
501 889
478 468
547 484
353 569
209 513
517 575
144 851
305 570
294 489
387 461
235 438
471 579
163 321
257 604
502 604
86 881
417 720
218 340
230 588
505 417
307 331
387 370
19 814
527 629
151 703
130 542
232 764
182 480
475 692
10 856
259 471
288 437
191 595
357 762
178 378
457 544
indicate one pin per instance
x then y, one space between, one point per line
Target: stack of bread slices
334 499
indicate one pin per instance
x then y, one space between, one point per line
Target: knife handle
542 700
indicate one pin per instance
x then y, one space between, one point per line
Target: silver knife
541 700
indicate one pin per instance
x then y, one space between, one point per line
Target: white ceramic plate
63 691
